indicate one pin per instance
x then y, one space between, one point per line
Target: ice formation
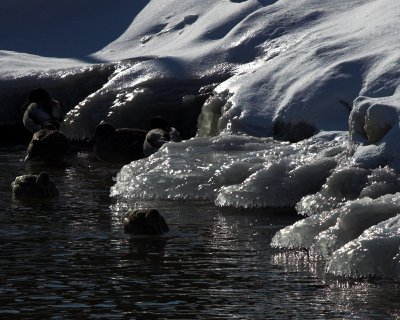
241 171
322 74
375 252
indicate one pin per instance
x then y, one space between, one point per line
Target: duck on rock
32 186
47 145
161 132
121 146
42 109
142 221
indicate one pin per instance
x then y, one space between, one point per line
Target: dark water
68 259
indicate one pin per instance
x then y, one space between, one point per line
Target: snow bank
280 62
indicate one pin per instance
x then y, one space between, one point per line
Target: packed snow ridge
321 77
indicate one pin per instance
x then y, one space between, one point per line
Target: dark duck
161 132
34 186
121 146
48 145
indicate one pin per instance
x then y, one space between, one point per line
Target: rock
293 132
142 221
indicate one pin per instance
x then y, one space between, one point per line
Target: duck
160 133
42 109
121 146
34 186
47 145
144 221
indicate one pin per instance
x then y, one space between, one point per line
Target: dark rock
293 132
141 221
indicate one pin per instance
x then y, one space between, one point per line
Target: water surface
68 258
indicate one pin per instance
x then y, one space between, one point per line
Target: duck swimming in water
161 132
141 221
122 145
42 109
32 186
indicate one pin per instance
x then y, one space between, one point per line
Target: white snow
278 67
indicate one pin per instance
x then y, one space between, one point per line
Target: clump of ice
349 182
374 131
343 185
355 217
376 252
279 183
303 233
240 171
334 232
209 118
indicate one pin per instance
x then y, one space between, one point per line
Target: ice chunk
207 124
381 181
344 184
233 170
360 238
374 131
302 234
375 253
354 218
280 184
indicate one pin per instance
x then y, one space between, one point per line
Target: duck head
39 95
156 221
160 122
43 179
51 124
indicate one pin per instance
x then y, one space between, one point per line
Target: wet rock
293 132
142 221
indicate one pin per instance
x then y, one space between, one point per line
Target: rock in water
141 221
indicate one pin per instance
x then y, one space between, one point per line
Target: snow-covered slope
282 68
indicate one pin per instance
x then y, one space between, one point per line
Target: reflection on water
68 258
